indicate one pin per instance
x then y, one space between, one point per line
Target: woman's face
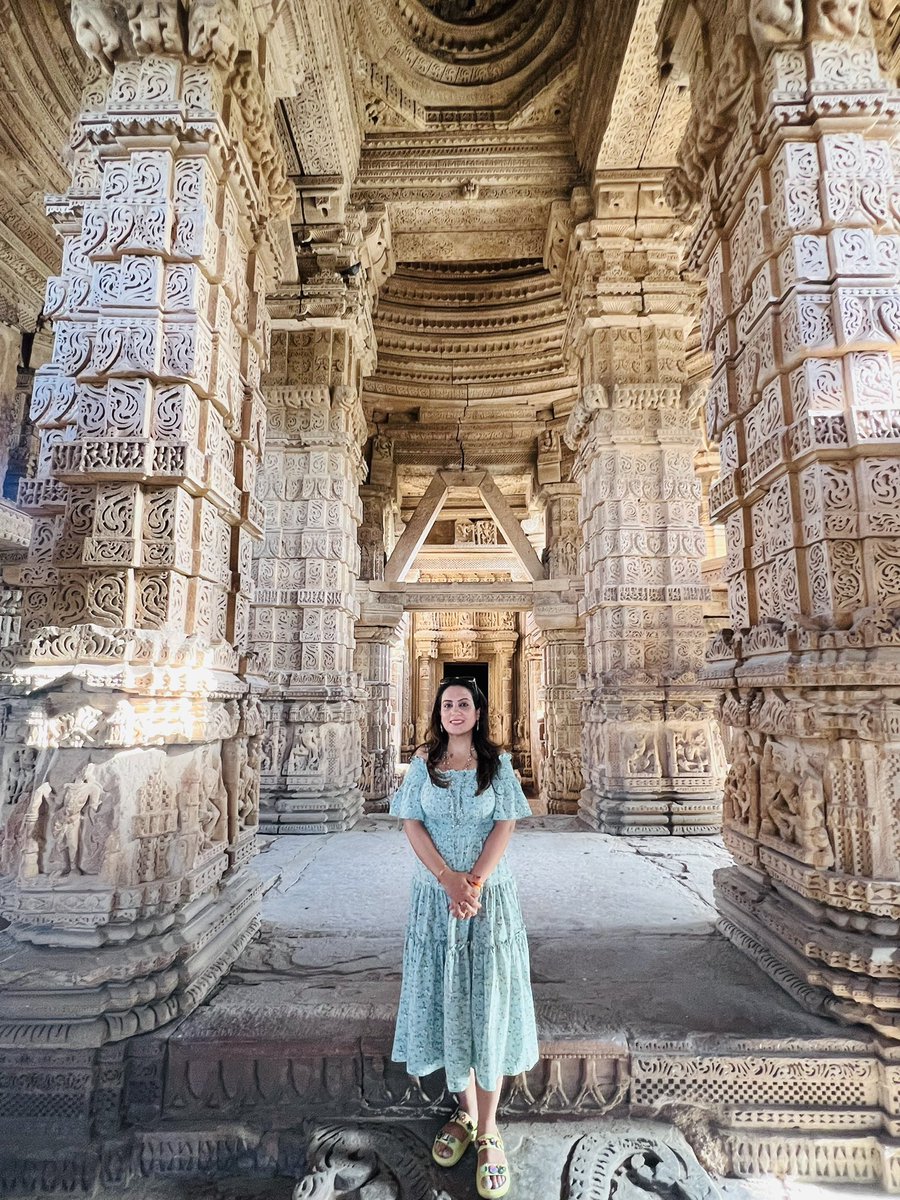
458 711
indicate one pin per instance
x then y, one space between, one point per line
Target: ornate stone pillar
376 636
522 751
128 748
791 161
11 396
654 761
425 642
380 753
561 638
563 664
306 605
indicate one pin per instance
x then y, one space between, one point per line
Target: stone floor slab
622 932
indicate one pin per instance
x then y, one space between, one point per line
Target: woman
465 1003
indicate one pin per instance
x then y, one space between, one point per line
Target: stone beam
431 597
495 503
411 540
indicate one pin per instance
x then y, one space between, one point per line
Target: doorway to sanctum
479 671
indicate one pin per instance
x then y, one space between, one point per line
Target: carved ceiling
42 72
470 362
450 63
470 132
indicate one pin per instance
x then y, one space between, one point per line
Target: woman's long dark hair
487 753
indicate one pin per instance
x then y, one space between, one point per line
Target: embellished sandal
457 1146
484 1171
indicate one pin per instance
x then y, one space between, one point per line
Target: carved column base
309 768
656 764
562 808
52 997
652 815
833 964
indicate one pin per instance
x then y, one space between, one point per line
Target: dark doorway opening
468 670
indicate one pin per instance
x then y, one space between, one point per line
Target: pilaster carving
563 662
797 235
560 637
128 746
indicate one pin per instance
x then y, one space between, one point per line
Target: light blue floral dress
466 996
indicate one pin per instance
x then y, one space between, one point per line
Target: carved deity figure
304 755
641 755
68 821
795 808
367 775
248 784
121 725
267 751
691 753
566 558
213 797
740 786
464 533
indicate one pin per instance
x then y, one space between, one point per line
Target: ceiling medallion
469 11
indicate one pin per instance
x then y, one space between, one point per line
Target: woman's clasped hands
464 893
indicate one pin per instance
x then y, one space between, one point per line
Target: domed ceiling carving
480 341
434 63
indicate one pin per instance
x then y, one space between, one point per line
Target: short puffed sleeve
511 803
405 802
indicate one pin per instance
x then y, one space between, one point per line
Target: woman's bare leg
468 1100
487 1124
468 1103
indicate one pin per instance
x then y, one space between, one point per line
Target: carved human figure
566 558
691 753
23 838
367 775
305 750
738 797
781 798
121 725
267 751
248 784
67 821
96 850
213 797
641 755
811 832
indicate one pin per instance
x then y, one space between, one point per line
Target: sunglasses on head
458 679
